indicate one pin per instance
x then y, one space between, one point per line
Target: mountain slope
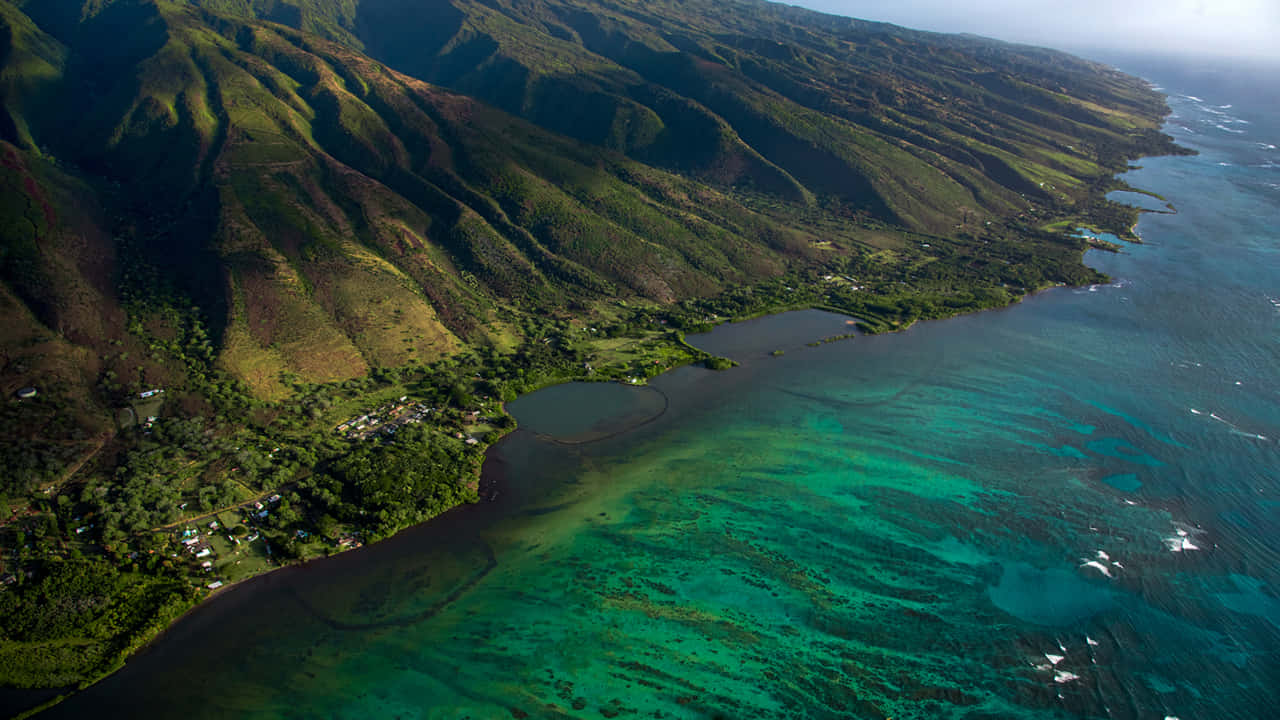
335 215
360 218
329 212
907 126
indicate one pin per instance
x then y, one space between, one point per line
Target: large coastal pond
1063 509
587 412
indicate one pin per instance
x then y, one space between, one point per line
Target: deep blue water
1068 508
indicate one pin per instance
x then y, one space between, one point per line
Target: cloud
1232 28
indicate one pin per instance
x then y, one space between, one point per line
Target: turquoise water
1063 509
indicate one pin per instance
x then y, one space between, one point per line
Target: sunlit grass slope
346 216
905 125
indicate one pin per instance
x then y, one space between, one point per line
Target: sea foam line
1234 428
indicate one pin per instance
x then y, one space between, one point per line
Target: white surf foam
1182 539
1097 566
1180 544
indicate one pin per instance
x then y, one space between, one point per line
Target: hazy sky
1206 27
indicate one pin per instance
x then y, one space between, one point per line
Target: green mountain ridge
260 157
287 212
849 108
320 170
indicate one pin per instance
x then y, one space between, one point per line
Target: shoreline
490 490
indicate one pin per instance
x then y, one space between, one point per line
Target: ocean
1067 508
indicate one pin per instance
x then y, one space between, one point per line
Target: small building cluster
384 420
259 511
196 544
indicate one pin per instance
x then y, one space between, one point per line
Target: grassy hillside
331 215
308 221
904 125
349 203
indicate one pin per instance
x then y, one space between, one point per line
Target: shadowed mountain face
299 170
